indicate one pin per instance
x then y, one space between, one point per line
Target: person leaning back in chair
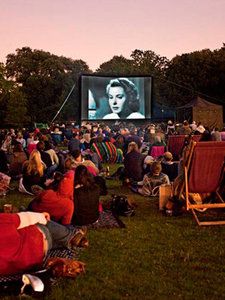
123 99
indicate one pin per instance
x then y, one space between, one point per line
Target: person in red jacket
26 237
58 203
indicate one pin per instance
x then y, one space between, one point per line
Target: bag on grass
120 205
165 193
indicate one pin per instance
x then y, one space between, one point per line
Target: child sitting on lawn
152 180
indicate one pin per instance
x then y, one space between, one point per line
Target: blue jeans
57 235
50 170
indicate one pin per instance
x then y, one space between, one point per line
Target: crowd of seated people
67 183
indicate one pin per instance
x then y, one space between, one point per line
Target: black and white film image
114 98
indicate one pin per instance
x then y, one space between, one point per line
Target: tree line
34 83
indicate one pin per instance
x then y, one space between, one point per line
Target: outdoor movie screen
113 98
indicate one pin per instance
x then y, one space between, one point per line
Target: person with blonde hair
33 171
152 180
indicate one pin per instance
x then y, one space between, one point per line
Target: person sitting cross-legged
86 197
169 167
33 172
152 180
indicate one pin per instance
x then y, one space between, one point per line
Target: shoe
79 239
84 243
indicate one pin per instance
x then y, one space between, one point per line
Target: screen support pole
63 103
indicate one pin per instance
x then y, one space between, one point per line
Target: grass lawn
154 257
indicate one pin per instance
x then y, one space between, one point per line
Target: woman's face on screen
117 98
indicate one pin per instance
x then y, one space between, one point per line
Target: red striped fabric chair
204 172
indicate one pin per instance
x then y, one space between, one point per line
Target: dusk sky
96 30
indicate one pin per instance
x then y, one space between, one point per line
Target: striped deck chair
204 171
175 144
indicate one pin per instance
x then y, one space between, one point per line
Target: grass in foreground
154 257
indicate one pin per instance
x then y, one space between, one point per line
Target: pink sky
96 30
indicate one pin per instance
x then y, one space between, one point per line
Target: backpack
120 205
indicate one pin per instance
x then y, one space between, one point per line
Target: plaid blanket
62 252
107 220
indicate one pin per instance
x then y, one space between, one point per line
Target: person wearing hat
169 167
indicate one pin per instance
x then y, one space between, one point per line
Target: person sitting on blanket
106 150
79 160
86 197
16 162
47 159
26 237
157 142
33 172
133 163
169 167
152 180
57 199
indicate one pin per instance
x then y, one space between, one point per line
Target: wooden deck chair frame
213 146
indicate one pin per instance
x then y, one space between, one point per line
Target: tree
45 79
141 63
16 112
150 63
5 88
118 65
197 73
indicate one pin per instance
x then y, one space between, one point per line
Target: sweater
86 202
20 249
59 204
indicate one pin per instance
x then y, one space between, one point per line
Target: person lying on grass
26 237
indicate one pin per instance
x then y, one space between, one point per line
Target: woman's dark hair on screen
132 103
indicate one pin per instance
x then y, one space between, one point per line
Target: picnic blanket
62 252
107 220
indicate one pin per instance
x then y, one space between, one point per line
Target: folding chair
203 174
176 143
